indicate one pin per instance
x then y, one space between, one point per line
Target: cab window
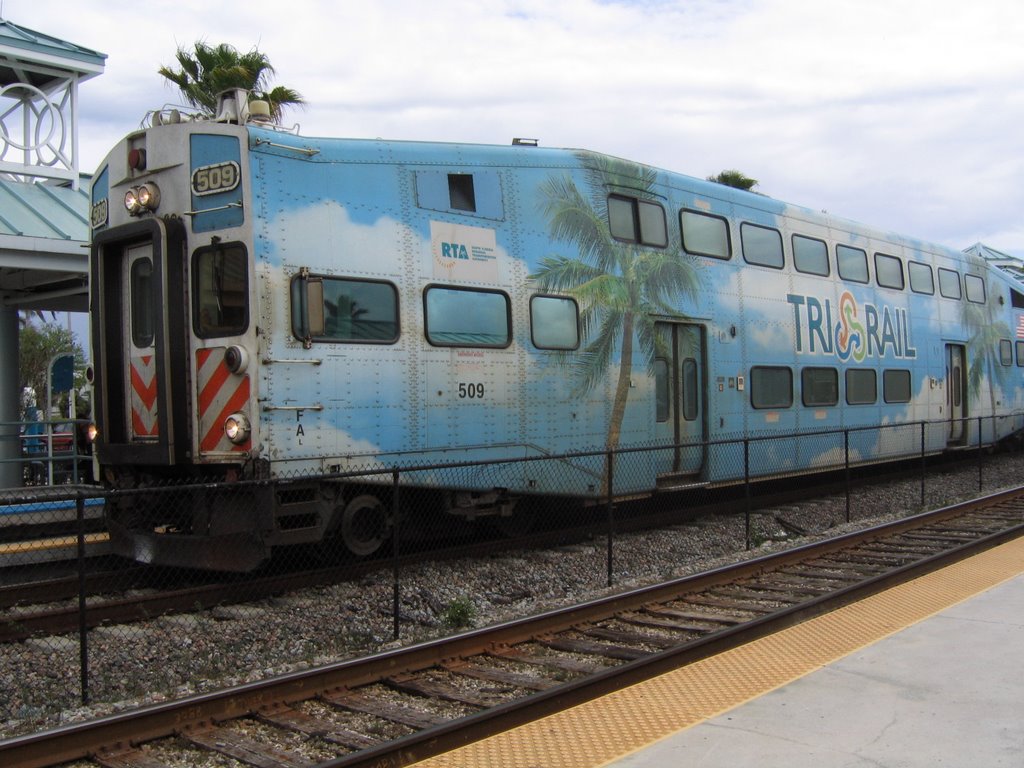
220 291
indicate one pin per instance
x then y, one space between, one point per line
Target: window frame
533 324
638 228
959 285
887 374
297 311
796 257
763 228
1005 352
931 277
195 289
839 263
702 215
755 388
427 289
883 267
975 280
850 372
806 389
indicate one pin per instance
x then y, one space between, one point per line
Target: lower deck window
819 386
861 386
896 386
460 317
771 387
353 311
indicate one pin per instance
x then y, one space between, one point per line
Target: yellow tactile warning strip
606 729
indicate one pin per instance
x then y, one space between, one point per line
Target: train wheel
365 525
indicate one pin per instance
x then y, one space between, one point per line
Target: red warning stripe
220 394
143 405
216 432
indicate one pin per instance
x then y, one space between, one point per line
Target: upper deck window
921 278
949 283
810 255
852 263
220 290
975 288
889 271
705 235
761 245
637 221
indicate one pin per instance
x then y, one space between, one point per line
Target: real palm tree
620 286
207 70
733 178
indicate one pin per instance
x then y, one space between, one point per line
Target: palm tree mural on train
619 286
983 346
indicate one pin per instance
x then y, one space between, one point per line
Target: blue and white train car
268 305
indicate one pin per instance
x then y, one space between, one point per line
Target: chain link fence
401 552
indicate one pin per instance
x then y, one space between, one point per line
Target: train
276 308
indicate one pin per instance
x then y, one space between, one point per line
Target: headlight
91 432
131 202
141 199
236 427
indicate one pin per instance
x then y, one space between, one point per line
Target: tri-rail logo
850 332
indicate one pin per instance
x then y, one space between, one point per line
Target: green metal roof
37 209
21 44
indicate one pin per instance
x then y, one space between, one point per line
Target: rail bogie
285 308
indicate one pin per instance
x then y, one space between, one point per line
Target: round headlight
236 359
149 196
236 427
91 432
131 201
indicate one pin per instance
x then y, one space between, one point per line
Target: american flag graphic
1020 326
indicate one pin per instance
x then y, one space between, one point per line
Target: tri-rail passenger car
269 305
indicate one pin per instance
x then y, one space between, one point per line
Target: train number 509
471 391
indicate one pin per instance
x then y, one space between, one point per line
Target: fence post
396 537
746 488
846 469
611 511
980 459
83 630
923 472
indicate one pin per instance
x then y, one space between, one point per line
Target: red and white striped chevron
145 424
221 393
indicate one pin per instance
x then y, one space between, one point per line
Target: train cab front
171 340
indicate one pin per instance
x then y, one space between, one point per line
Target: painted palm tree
983 347
620 286
207 70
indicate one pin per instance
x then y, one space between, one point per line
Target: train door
139 342
680 399
956 387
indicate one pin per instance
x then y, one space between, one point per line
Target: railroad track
397 707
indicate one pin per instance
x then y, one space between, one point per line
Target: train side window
461 317
554 322
460 192
921 278
889 271
1016 299
360 311
861 386
141 297
637 221
896 386
771 387
1005 352
761 245
705 235
661 390
810 255
949 283
852 264
819 386
974 287
1020 354
690 389
220 290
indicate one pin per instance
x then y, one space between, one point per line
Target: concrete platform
945 692
930 673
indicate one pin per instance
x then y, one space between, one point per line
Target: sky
903 114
